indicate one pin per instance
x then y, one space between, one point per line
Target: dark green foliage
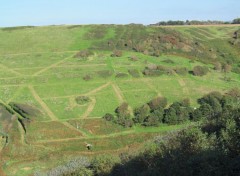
170 116
236 21
108 117
141 113
158 113
200 70
81 100
158 102
151 121
123 115
103 164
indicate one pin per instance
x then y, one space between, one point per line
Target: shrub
103 164
83 54
181 70
87 77
218 66
121 75
141 113
134 58
108 117
81 100
200 71
116 53
73 167
158 102
134 73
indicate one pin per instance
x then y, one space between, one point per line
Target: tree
158 102
123 115
236 21
170 116
141 113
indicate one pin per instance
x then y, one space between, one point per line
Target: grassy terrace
38 68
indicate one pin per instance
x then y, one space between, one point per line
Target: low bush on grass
81 100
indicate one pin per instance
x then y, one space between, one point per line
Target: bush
108 117
103 164
116 53
200 71
83 54
81 100
134 58
156 103
141 113
121 75
181 70
134 73
87 77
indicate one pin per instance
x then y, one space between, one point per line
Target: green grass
41 58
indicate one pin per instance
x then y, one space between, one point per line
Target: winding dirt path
118 92
97 89
53 52
90 108
40 101
85 137
52 66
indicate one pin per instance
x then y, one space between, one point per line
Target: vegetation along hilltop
120 100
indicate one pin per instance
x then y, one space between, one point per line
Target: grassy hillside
41 70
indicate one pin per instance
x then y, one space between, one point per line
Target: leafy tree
123 115
236 21
156 103
170 116
141 113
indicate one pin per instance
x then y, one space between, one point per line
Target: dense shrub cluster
155 112
157 70
200 70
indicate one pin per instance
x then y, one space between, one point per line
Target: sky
56 12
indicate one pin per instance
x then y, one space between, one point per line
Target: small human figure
89 146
